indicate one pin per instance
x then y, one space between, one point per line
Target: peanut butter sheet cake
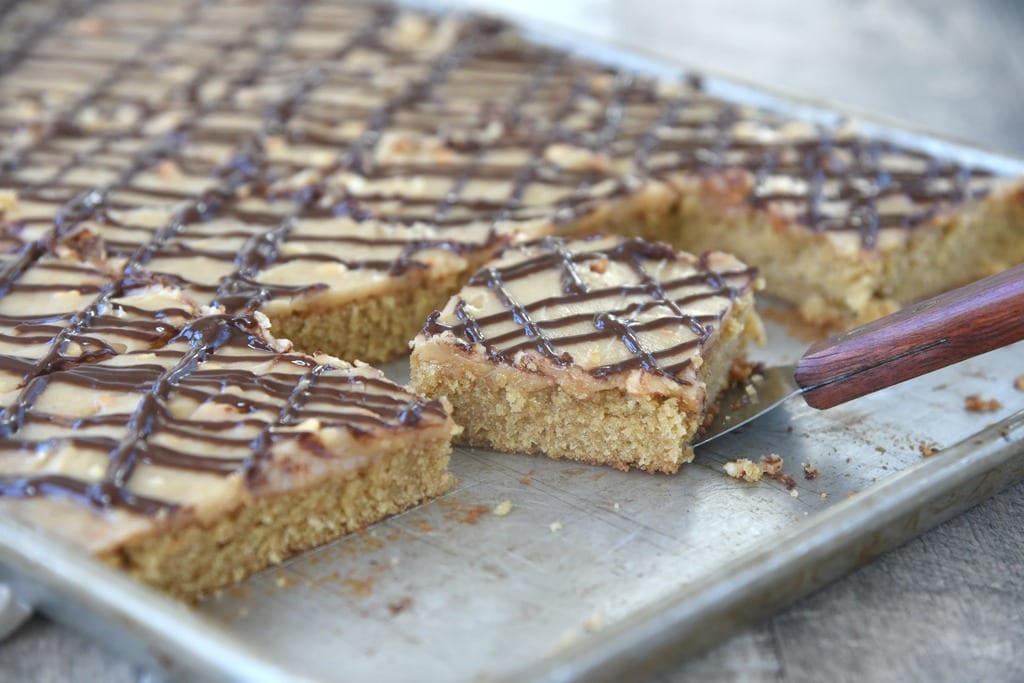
185 185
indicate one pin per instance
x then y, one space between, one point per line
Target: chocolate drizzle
540 324
210 362
207 153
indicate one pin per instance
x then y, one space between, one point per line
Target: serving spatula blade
916 340
744 401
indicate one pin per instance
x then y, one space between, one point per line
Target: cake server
926 336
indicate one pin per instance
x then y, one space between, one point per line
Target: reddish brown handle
926 336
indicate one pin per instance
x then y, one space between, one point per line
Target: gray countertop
948 606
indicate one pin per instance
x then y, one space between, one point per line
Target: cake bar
605 350
217 454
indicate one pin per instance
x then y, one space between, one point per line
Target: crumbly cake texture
605 350
342 168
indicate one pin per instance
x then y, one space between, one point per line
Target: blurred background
953 68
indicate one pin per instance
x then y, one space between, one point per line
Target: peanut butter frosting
596 312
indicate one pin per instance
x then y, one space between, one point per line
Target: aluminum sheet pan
451 591
594 574
636 562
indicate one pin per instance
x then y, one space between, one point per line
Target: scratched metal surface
451 591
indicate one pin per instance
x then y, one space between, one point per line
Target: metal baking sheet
594 573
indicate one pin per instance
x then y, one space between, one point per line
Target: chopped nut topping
90 26
168 169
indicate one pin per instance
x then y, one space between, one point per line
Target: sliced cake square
605 350
196 464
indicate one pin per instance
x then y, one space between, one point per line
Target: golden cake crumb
976 404
555 527
565 641
595 622
810 471
927 449
743 468
399 606
742 370
1019 383
502 508
747 470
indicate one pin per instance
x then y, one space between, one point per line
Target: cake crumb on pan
399 606
976 404
747 470
595 622
565 641
744 469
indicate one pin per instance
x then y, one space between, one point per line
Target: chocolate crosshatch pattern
166 163
217 400
649 289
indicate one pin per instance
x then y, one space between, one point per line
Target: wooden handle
926 336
